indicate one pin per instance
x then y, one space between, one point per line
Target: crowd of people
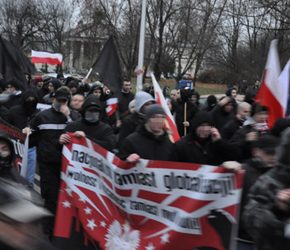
214 132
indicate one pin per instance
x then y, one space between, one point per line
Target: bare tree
21 21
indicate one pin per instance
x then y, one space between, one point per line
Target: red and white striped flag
273 93
160 99
112 105
46 57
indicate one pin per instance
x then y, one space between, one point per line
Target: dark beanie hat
154 109
200 118
211 100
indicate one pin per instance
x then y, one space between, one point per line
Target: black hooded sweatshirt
100 132
193 149
21 115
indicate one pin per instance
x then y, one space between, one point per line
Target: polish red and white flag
273 92
46 57
160 99
112 106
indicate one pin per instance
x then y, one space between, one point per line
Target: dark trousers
49 184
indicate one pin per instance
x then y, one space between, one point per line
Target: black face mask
30 106
5 163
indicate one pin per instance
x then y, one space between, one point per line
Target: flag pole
141 48
88 74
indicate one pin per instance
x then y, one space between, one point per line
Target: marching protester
254 126
53 85
15 93
46 127
20 208
150 140
211 102
20 116
185 109
142 101
203 144
91 125
223 112
230 128
124 98
76 102
267 213
263 159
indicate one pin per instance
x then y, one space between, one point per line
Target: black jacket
188 149
129 126
230 128
254 169
21 115
264 221
178 109
101 133
146 145
221 117
123 102
47 127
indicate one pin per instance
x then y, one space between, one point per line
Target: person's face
228 107
173 95
4 149
156 123
126 86
178 94
193 99
61 80
77 102
234 93
97 93
73 90
10 89
203 131
244 112
269 159
261 117
39 85
50 87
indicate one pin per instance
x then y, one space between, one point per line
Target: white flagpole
88 74
141 48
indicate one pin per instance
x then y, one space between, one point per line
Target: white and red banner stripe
46 57
273 92
160 99
112 105
155 205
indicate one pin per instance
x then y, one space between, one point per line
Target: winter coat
254 168
262 217
189 149
239 140
123 102
129 126
178 110
230 128
221 117
47 126
146 145
263 220
21 115
101 133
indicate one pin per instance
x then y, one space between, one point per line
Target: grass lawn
202 88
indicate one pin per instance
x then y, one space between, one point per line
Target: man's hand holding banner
150 205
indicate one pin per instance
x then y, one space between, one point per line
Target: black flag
108 66
14 65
